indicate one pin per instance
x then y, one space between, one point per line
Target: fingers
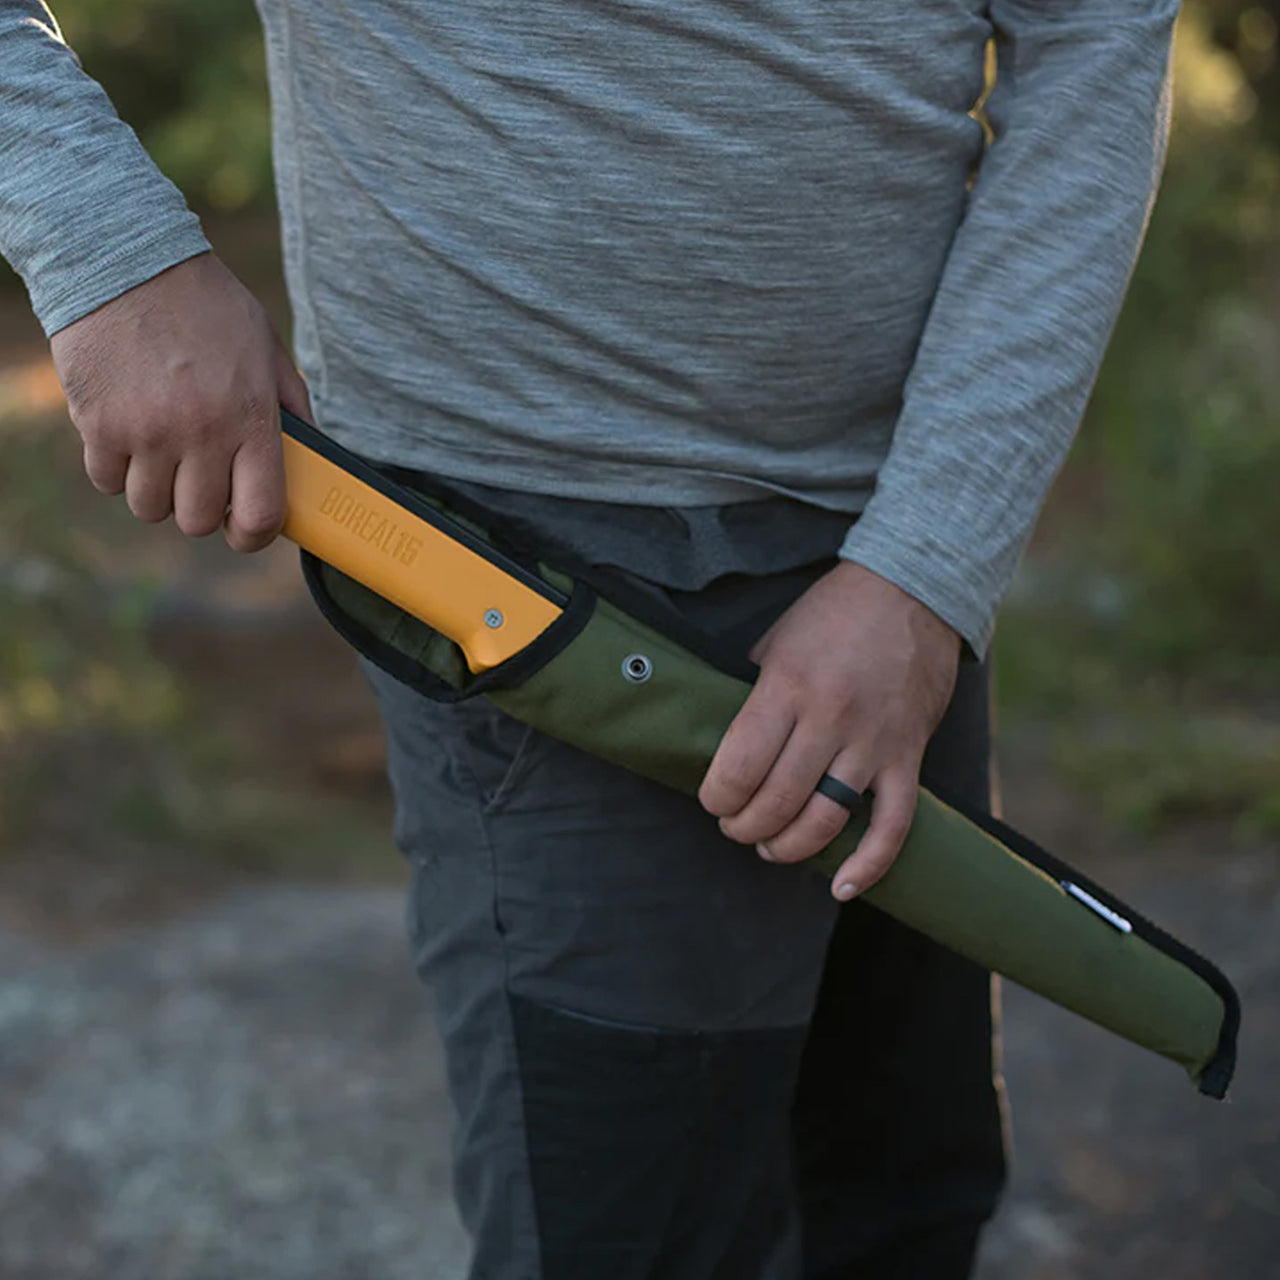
194 491
257 491
784 804
892 811
820 819
174 386
854 678
290 386
746 753
201 488
106 468
148 486
258 500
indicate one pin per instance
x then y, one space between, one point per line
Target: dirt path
250 1089
1122 1171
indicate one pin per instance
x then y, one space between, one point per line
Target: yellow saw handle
386 537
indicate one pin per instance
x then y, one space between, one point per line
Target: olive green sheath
656 697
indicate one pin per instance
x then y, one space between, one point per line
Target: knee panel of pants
656 1153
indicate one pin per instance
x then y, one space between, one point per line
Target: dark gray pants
670 1060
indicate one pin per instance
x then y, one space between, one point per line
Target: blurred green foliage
77 681
51 597
1158 769
104 749
1145 625
1183 434
189 76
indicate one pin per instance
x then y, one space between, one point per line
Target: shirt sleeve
84 212
1027 300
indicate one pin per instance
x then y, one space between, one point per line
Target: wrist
858 580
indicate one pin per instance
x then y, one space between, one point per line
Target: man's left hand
854 678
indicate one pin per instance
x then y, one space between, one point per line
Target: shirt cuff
930 569
141 261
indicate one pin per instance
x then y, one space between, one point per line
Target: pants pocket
499 750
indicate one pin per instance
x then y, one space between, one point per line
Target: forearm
1030 293
84 213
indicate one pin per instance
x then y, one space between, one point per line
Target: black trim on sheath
506 675
382 480
1216 1076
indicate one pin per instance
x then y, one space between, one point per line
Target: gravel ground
1122 1171
253 1089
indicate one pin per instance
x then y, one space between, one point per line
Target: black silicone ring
840 792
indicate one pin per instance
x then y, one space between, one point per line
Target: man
730 297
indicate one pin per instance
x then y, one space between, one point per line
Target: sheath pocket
408 649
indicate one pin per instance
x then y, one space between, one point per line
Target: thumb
896 792
290 387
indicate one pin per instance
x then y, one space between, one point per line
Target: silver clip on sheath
1114 919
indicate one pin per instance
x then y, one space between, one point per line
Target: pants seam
513 1055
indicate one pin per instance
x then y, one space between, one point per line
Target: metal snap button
637 668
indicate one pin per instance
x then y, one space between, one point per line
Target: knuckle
257 410
89 420
198 524
80 372
723 792
711 798
243 538
150 434
790 851
73 388
827 822
238 540
149 512
245 543
735 787
786 683
781 803
105 474
260 520
202 430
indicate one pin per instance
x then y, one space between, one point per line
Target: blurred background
213 1062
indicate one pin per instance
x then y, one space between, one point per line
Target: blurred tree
1248 30
1182 430
188 75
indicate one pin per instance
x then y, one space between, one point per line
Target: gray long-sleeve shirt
670 254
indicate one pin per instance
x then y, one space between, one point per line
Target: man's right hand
175 387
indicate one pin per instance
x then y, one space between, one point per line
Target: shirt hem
626 484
